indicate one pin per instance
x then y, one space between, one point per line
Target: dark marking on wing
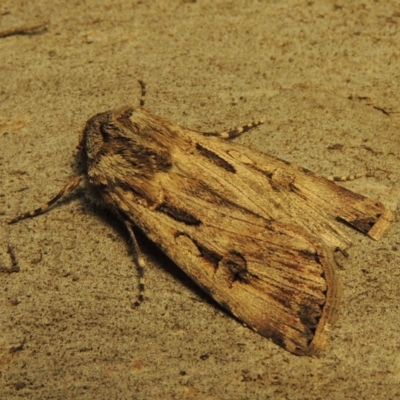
364 224
178 214
237 267
210 255
312 255
310 317
215 158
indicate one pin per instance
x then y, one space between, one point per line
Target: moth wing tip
381 225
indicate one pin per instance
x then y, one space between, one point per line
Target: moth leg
142 100
140 264
234 132
65 191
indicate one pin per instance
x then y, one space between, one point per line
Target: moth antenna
140 264
65 191
234 132
344 178
142 100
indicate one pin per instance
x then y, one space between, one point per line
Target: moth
255 232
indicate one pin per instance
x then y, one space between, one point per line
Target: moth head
97 132
100 130
129 141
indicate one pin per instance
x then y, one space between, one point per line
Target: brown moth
255 232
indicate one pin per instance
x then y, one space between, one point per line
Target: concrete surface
324 75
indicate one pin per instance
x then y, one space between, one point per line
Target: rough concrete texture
323 74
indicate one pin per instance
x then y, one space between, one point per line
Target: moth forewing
253 231
274 277
282 191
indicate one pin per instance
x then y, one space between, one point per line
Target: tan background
66 327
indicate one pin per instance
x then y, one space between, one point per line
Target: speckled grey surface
324 75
